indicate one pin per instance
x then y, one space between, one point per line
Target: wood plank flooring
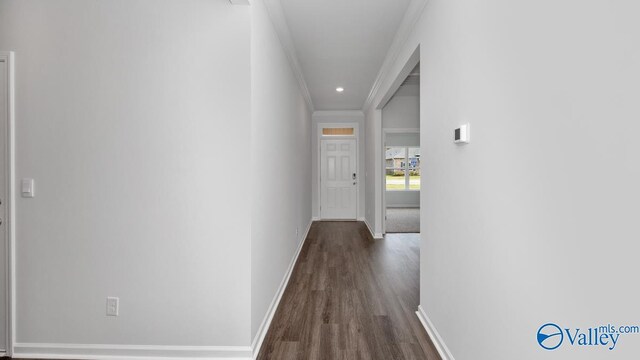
351 297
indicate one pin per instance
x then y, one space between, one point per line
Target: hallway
351 297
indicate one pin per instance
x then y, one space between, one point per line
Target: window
402 168
337 131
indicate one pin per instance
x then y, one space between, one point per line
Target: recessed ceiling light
339 89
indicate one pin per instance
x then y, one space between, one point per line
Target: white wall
320 117
373 171
280 165
127 113
402 112
535 220
403 199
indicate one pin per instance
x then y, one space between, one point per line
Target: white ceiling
342 43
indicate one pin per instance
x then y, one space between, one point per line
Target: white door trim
10 201
384 168
360 177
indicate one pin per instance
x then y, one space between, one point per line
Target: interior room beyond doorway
402 167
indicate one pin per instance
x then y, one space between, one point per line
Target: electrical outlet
113 306
297 232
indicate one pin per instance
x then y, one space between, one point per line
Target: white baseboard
442 348
376 236
104 352
266 322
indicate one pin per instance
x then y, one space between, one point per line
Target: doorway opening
402 167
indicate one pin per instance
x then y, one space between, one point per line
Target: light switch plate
113 306
28 188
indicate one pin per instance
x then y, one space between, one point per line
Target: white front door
4 191
338 179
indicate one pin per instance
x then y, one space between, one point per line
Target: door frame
388 91
384 168
8 57
356 137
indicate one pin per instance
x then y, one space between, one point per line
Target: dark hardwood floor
351 297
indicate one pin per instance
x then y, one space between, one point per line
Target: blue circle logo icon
550 336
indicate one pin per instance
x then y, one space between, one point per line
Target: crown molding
409 21
279 21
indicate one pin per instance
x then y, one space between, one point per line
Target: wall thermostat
461 134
